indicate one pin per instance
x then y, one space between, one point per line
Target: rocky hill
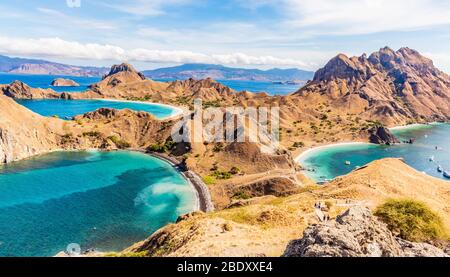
61 82
19 90
271 226
394 87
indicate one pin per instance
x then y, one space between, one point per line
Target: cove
102 200
329 162
70 108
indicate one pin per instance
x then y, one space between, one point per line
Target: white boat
439 169
447 174
432 159
348 163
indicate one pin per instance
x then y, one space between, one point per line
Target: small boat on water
447 174
432 159
439 169
348 163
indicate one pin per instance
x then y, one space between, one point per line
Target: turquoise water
106 200
44 81
70 108
329 163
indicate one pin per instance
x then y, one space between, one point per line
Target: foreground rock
356 233
61 82
382 135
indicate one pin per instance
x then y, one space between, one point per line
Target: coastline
177 111
310 151
203 197
415 126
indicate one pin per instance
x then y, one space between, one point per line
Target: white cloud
353 17
56 47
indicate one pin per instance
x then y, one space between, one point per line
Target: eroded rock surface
356 233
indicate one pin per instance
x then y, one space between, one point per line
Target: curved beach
302 156
177 111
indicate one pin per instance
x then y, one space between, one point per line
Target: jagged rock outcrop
356 233
124 67
382 135
206 89
19 90
391 86
61 82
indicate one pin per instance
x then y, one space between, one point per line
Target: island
61 82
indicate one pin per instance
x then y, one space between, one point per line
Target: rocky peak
356 233
343 67
123 67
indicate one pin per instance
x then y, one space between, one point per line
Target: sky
238 33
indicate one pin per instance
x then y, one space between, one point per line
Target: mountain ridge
39 66
215 71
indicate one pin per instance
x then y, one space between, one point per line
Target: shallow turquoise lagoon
329 163
102 200
70 108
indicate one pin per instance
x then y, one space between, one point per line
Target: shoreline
415 126
177 111
310 151
203 196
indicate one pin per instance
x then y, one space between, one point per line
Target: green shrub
298 144
94 134
161 148
235 170
121 144
209 180
218 147
241 195
222 175
412 220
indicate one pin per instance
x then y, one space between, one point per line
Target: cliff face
23 133
393 86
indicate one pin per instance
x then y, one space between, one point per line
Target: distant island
43 67
61 82
220 72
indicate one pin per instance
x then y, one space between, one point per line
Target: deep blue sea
66 109
329 163
44 81
105 200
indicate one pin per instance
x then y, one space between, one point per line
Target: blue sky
244 33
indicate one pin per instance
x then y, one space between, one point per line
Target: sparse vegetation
241 195
162 148
235 170
93 134
218 147
209 180
121 144
411 220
